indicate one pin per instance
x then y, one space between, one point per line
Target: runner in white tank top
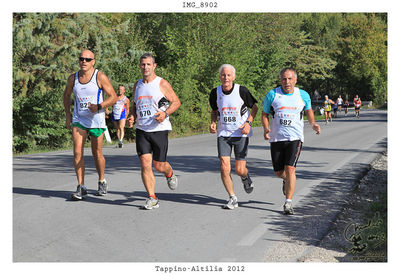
230 105
119 114
150 100
154 101
85 95
87 86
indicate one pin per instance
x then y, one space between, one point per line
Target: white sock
288 200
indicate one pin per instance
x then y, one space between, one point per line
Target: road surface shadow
316 211
129 198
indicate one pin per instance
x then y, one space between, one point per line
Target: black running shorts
285 153
155 143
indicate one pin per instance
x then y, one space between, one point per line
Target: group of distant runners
233 111
337 105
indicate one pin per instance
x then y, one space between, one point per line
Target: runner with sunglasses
88 86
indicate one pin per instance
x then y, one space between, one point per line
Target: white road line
254 235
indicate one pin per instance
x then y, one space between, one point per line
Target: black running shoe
248 184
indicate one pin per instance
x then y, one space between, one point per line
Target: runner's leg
116 127
163 167
79 137
240 168
122 123
99 160
290 173
147 173
225 164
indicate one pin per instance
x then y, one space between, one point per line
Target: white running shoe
232 203
151 204
287 208
172 182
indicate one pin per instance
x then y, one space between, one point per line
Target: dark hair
287 69
147 55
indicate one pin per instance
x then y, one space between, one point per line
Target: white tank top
287 122
84 94
149 100
230 117
118 108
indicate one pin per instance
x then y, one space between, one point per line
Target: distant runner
120 113
346 106
328 109
357 105
339 102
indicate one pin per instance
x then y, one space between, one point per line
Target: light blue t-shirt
269 97
287 120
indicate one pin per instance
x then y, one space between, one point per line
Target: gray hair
227 66
147 55
287 69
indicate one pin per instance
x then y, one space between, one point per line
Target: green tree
45 52
362 62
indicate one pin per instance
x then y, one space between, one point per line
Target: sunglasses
87 59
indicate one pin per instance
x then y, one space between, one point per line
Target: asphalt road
190 225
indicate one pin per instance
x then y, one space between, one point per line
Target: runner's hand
245 128
266 134
68 121
93 107
316 128
160 116
213 128
131 121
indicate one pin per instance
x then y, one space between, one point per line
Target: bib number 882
285 122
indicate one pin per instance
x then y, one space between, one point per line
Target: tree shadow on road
316 211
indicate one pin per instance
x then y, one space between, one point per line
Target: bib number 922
285 122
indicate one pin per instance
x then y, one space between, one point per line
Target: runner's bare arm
311 120
265 123
106 86
213 125
169 93
67 100
132 115
127 103
246 127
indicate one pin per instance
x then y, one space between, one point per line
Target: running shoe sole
172 182
230 207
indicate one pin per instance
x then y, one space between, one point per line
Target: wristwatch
248 122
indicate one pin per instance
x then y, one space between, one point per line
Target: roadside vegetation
333 53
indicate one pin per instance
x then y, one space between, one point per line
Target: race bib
84 102
230 118
145 111
286 119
